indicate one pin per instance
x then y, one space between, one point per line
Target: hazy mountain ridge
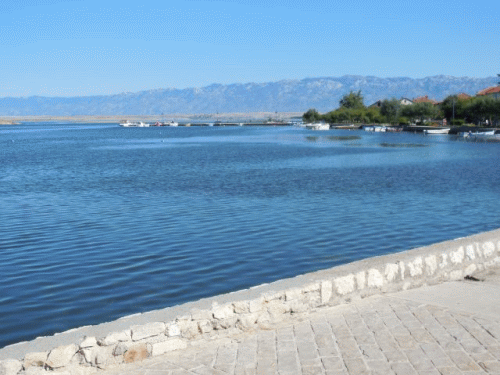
322 93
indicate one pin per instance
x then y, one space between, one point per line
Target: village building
493 91
424 99
403 101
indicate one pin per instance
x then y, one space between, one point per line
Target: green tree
311 115
453 107
390 109
420 111
352 100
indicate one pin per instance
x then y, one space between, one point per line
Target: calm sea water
98 221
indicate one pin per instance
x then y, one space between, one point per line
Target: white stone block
375 278
37 359
456 275
197 314
272 296
344 285
315 287
469 251
297 307
88 342
256 305
115 337
361 280
457 257
167 346
402 269
247 321
391 271
89 354
173 329
10 367
188 328
326 291
444 261
277 308
416 267
147 330
103 355
61 356
205 326
241 307
223 312
488 249
470 269
293 294
430 265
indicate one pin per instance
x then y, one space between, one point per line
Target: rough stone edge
445 261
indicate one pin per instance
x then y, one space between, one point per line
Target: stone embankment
446 261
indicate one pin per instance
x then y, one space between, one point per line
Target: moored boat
437 131
318 126
128 124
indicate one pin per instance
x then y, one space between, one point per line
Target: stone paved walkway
379 335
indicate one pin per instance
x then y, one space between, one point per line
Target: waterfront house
403 101
424 99
493 91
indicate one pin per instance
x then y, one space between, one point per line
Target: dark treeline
479 110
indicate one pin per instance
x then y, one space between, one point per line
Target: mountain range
321 93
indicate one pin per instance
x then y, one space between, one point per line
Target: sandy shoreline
11 120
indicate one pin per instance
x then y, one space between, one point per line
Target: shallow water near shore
99 222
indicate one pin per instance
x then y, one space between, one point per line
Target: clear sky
93 47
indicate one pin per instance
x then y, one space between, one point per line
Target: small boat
485 133
318 126
172 123
128 124
143 125
374 128
437 131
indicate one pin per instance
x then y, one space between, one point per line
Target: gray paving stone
395 356
333 364
356 366
403 369
451 370
288 362
463 361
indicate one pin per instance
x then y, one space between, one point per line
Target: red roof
424 99
489 90
463 96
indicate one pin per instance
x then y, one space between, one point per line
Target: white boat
172 123
143 125
485 133
318 126
128 124
374 128
437 131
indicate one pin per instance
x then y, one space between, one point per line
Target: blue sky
90 47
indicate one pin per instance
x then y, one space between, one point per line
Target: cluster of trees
458 111
476 110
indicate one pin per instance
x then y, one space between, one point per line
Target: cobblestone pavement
378 335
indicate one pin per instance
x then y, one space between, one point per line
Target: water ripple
99 223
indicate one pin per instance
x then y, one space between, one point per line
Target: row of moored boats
131 124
